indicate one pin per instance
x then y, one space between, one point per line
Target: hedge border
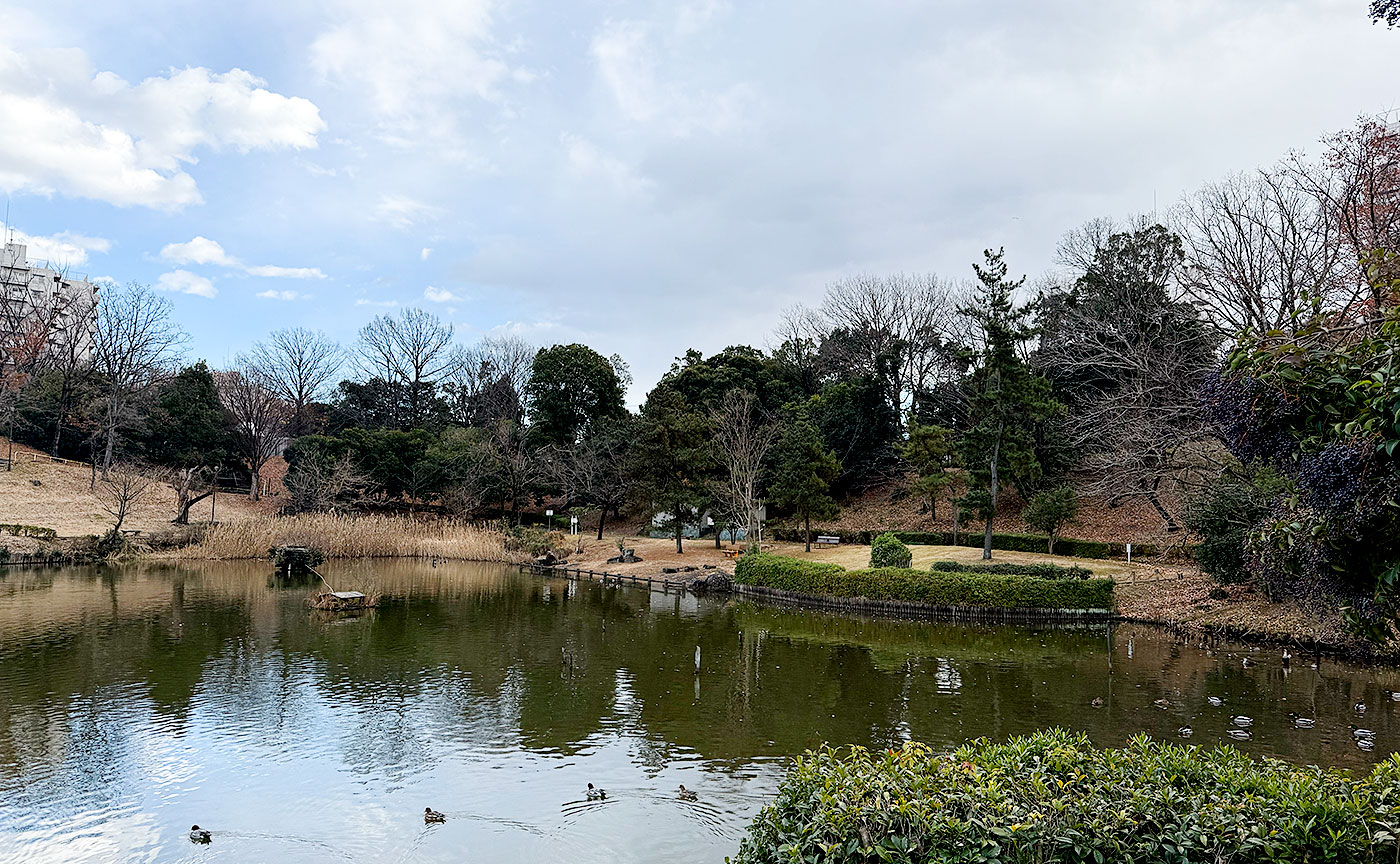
1005 542
831 584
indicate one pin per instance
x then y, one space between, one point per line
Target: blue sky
642 177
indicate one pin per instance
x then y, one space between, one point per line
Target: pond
137 701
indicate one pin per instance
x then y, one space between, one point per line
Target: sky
642 177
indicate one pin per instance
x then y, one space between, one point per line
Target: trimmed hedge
1040 571
1006 542
1053 796
29 531
917 586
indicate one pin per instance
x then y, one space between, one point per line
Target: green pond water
137 701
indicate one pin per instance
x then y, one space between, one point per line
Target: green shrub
1053 796
1004 542
1051 510
1040 571
1223 515
29 531
916 586
887 551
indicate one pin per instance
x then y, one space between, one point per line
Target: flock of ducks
1365 738
437 817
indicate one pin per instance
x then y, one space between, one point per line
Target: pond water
137 701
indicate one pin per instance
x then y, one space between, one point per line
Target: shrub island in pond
1054 797
966 587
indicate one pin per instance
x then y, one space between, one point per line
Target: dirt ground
39 491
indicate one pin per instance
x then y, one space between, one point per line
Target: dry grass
856 557
340 536
62 500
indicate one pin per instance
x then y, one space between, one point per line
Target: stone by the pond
717 582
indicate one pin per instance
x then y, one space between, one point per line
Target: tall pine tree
803 471
1004 398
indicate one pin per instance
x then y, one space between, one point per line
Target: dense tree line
1228 364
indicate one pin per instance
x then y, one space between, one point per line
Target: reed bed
344 536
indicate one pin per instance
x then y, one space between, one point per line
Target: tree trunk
991 511
253 490
1157 505
680 527
107 453
1052 542
717 533
602 515
807 530
183 517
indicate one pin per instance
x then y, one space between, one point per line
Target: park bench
828 540
731 553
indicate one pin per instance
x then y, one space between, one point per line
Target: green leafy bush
1040 571
887 551
916 586
1223 515
1053 796
29 531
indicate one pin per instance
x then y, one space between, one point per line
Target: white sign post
573 524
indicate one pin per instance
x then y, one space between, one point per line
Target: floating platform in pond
337 601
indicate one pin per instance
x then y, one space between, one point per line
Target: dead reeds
344 536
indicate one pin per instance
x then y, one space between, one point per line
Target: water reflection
135 702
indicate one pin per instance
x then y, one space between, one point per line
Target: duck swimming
433 817
595 794
1185 731
1096 702
687 794
1215 701
199 835
1242 721
1359 707
1163 704
1302 722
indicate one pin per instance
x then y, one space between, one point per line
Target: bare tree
296 364
325 487
408 351
122 487
487 381
744 437
260 419
594 472
1261 254
135 346
518 464
895 329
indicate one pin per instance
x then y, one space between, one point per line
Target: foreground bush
887 551
1040 571
917 586
1054 797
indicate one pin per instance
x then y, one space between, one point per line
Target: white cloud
185 282
412 57
71 130
280 295
381 303
403 212
439 295
423 255
202 250
64 249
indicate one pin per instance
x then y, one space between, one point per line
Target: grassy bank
1052 796
340 536
982 590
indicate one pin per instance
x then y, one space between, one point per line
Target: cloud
426 251
70 130
386 304
64 249
280 295
439 295
413 58
202 250
185 282
403 212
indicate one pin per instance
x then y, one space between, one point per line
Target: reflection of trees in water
465 660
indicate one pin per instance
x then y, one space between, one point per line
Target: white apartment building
38 301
